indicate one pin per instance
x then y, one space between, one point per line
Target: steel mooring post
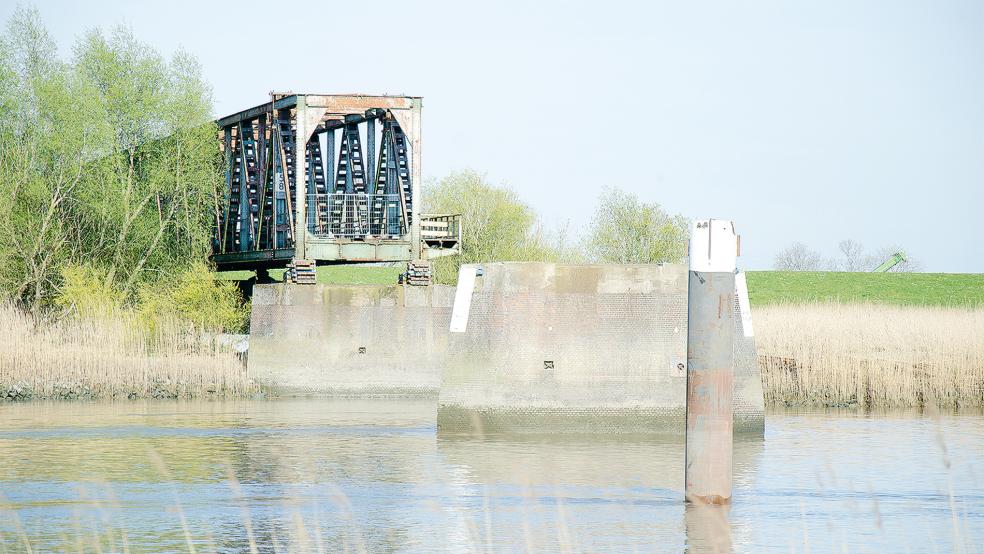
710 366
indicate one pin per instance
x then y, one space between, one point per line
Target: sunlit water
334 475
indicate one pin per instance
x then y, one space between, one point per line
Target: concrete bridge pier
517 348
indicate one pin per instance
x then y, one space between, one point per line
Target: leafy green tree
147 209
43 135
625 230
108 161
497 225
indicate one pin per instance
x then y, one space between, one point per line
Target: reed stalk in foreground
871 355
116 356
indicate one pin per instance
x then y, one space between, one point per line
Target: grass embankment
764 287
115 356
920 289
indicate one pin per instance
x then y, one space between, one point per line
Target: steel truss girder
263 207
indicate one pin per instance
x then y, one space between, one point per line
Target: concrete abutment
547 348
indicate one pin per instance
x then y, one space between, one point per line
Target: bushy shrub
109 158
195 296
87 292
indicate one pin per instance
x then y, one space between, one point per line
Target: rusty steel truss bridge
358 196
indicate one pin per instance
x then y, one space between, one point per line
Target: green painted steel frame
352 108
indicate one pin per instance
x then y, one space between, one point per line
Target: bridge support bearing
301 272
418 273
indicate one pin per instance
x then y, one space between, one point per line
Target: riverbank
115 356
871 355
851 354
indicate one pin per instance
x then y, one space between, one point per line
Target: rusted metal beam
358 103
334 105
710 365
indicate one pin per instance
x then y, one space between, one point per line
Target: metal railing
356 216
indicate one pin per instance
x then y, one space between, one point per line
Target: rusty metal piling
710 369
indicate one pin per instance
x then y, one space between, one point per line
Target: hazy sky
809 121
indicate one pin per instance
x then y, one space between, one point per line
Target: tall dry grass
114 356
871 355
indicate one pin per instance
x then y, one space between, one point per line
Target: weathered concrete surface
569 349
349 340
748 399
616 335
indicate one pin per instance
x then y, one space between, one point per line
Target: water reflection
328 475
579 494
708 528
566 493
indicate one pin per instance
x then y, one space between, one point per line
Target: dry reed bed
871 355
112 357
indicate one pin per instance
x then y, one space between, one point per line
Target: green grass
336 274
764 287
927 289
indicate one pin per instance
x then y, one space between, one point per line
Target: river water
356 475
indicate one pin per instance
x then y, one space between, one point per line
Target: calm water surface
335 475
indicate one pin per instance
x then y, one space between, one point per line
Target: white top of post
713 245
